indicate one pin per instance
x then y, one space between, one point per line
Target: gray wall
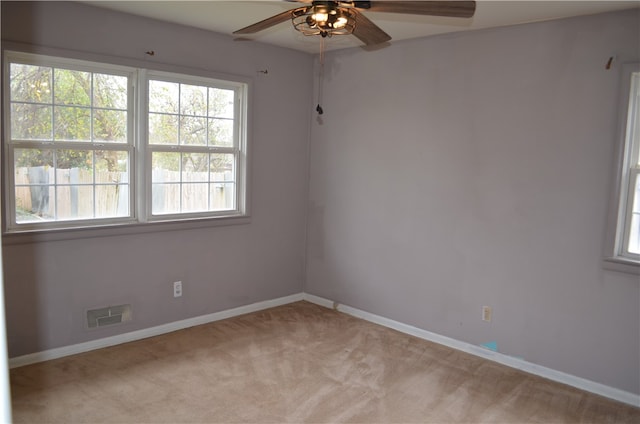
447 173
474 169
49 285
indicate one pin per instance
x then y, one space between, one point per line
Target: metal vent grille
108 316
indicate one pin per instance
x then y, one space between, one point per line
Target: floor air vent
108 316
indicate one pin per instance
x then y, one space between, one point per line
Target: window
69 144
626 244
90 144
193 146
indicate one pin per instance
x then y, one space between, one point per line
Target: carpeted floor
294 363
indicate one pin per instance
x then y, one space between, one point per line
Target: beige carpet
295 363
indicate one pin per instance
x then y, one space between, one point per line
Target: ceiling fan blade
454 9
368 32
269 22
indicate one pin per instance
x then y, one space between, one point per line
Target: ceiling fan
327 18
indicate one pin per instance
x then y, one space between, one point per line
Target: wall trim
60 352
501 358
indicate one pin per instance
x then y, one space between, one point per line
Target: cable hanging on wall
320 77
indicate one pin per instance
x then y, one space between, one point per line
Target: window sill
119 230
622 265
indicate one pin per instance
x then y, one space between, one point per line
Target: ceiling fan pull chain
320 77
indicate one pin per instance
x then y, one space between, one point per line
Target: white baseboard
551 374
501 358
60 352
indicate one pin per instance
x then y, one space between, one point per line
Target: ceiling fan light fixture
324 20
320 14
340 22
342 17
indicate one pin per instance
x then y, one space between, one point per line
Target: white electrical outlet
177 289
486 313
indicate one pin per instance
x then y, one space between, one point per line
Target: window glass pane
74 202
110 126
30 122
74 184
33 174
634 237
164 198
193 131
163 129
163 96
112 177
112 166
166 167
81 160
72 123
636 195
193 100
24 159
222 175
72 87
30 83
194 197
222 168
195 167
634 118
221 132
112 200
221 103
634 231
223 196
35 203
109 91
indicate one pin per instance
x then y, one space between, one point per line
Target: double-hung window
68 142
625 246
89 144
193 145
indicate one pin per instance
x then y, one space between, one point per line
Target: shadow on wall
23 305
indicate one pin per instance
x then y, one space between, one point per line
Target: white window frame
140 218
627 170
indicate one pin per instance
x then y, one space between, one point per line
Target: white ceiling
227 16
